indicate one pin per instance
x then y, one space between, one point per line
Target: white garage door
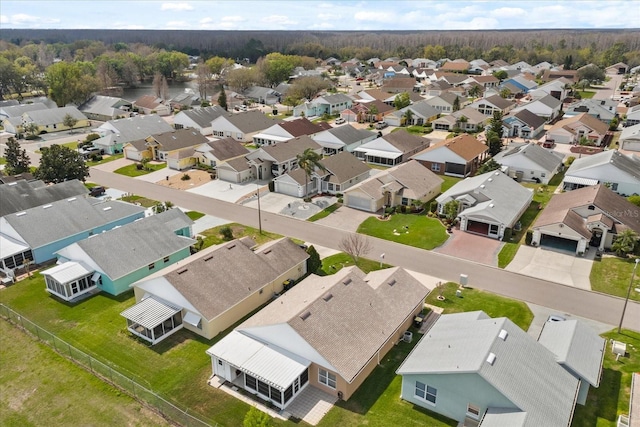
358 203
227 175
286 188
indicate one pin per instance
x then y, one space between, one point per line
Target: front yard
133 171
409 229
612 275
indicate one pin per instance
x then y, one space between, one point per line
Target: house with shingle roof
589 216
241 126
557 88
238 170
216 152
391 149
548 107
422 112
401 185
486 82
488 372
17 110
327 332
473 120
365 110
115 133
399 85
529 162
488 204
22 195
164 146
274 160
211 290
52 119
149 104
522 124
493 103
37 233
326 104
288 129
341 138
602 109
341 172
114 260
571 130
445 102
460 156
620 172
630 138
456 66
105 108
199 118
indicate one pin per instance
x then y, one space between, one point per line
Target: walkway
311 405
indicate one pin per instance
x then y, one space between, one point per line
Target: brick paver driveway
471 247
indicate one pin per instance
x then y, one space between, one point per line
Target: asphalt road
565 299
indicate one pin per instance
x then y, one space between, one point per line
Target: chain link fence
104 372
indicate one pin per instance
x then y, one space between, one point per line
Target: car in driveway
97 191
87 152
339 121
556 318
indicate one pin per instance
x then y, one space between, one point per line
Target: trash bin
275 112
459 293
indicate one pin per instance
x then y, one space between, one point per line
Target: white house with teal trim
46 229
114 260
469 366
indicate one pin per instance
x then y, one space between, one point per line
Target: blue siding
455 391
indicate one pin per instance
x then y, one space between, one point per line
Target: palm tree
475 91
625 242
408 117
309 161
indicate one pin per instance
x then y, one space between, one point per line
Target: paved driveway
553 266
345 218
471 247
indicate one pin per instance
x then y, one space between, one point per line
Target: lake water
131 94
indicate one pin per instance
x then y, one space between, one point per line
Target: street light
259 211
624 308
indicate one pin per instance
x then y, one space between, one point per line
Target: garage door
286 188
558 243
359 203
227 175
478 227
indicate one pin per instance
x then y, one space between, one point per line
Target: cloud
206 21
322 26
30 20
177 7
235 18
508 12
4 19
374 16
278 20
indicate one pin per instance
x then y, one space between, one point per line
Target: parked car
88 151
339 121
555 318
97 191
381 125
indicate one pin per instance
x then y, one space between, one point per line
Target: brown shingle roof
179 139
289 149
406 142
344 166
455 66
148 101
227 148
586 119
303 126
465 146
250 121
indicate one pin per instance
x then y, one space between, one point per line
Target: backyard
213 236
409 229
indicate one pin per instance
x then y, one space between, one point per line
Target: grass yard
422 232
474 299
38 374
194 215
133 171
3 161
213 236
606 402
325 212
586 94
142 201
335 263
105 159
611 275
449 181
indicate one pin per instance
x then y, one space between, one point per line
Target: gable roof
105 105
203 116
498 101
521 369
337 98
465 146
179 139
19 110
629 164
303 126
348 315
22 195
250 121
406 142
343 167
227 148
148 101
348 134
289 149
134 128
530 119
53 115
585 119
546 159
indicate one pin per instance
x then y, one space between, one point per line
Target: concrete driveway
224 190
553 266
345 218
471 247
541 315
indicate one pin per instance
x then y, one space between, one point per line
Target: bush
227 233
92 137
340 200
390 210
139 166
529 237
403 209
433 206
569 161
507 234
96 157
185 177
31 137
272 186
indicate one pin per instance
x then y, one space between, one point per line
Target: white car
339 121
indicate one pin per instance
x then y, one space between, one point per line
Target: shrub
96 157
31 137
507 234
227 233
403 209
272 186
185 177
340 200
569 161
390 210
529 237
92 137
433 206
139 166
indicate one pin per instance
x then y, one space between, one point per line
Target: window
543 174
152 266
426 392
327 378
473 411
493 228
435 167
250 382
166 259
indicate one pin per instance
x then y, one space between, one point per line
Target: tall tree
309 161
17 158
203 79
71 82
308 87
59 163
401 100
157 85
222 98
407 117
69 121
456 104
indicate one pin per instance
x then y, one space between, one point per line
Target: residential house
149 104
341 172
488 204
262 95
399 85
213 289
401 185
185 100
601 109
486 82
445 103
529 162
558 88
38 233
522 124
493 103
241 126
573 129
633 116
367 111
22 195
421 113
589 216
455 80
617 68
198 118
460 156
8 103
17 110
620 172
115 133
214 153
274 160
630 138
10 179
114 260
286 130
467 120
320 333
436 88
522 83
373 95
52 119
163 147
548 107
106 108
326 104
488 372
391 149
456 66
549 75
238 169
345 137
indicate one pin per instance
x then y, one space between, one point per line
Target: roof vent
497 173
491 205
208 258
305 315
490 180
482 186
184 270
503 334
108 208
267 251
327 297
21 214
46 206
231 246
71 199
391 282
491 358
346 282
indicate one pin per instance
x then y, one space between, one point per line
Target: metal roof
10 247
150 312
580 181
68 271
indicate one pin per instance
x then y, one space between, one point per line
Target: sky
319 15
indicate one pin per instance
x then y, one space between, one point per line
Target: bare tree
157 85
203 79
355 245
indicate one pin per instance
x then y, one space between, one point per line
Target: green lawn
212 236
422 232
449 181
194 215
612 275
3 161
133 171
586 94
72 145
143 201
325 212
37 374
335 263
609 400
105 159
474 299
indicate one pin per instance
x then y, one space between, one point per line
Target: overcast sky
319 15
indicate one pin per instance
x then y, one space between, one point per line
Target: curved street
565 299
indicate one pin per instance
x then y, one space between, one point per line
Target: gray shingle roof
350 135
227 148
529 118
524 371
546 159
250 121
23 195
344 166
134 128
179 139
289 149
104 105
18 110
204 116
406 142
628 164
53 115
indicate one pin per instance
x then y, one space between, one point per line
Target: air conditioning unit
408 336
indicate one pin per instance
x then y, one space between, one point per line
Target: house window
250 382
327 378
152 266
493 228
435 167
426 392
220 362
166 259
473 411
543 174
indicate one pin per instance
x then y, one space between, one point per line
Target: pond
146 88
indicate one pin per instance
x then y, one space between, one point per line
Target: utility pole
624 308
259 211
